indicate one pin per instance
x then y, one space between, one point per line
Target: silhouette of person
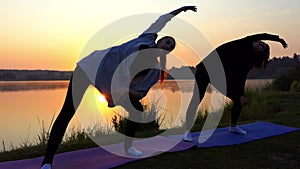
237 57
133 64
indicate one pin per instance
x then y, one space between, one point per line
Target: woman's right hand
243 100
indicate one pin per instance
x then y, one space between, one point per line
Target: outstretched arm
162 20
266 36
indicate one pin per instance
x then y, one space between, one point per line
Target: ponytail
163 70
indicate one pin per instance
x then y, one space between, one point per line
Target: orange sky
52 34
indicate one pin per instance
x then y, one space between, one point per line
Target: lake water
27 106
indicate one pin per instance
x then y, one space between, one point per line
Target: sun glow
101 98
101 103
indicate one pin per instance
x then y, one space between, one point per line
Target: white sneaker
237 130
46 166
188 137
134 152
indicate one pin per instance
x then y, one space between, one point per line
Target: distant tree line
26 75
276 67
287 81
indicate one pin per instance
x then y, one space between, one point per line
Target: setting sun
101 98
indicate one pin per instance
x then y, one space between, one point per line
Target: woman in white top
120 72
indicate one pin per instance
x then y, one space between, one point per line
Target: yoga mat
221 136
101 157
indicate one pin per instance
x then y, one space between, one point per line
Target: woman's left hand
192 8
283 43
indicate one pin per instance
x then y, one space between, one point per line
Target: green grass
276 152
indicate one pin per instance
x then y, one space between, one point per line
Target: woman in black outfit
238 57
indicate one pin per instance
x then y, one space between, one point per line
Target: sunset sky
51 34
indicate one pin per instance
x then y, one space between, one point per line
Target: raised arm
266 36
162 20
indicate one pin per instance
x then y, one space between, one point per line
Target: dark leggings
202 81
134 109
59 127
69 108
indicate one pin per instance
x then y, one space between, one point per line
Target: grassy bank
275 152
280 152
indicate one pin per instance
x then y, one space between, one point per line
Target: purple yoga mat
104 157
221 136
113 155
